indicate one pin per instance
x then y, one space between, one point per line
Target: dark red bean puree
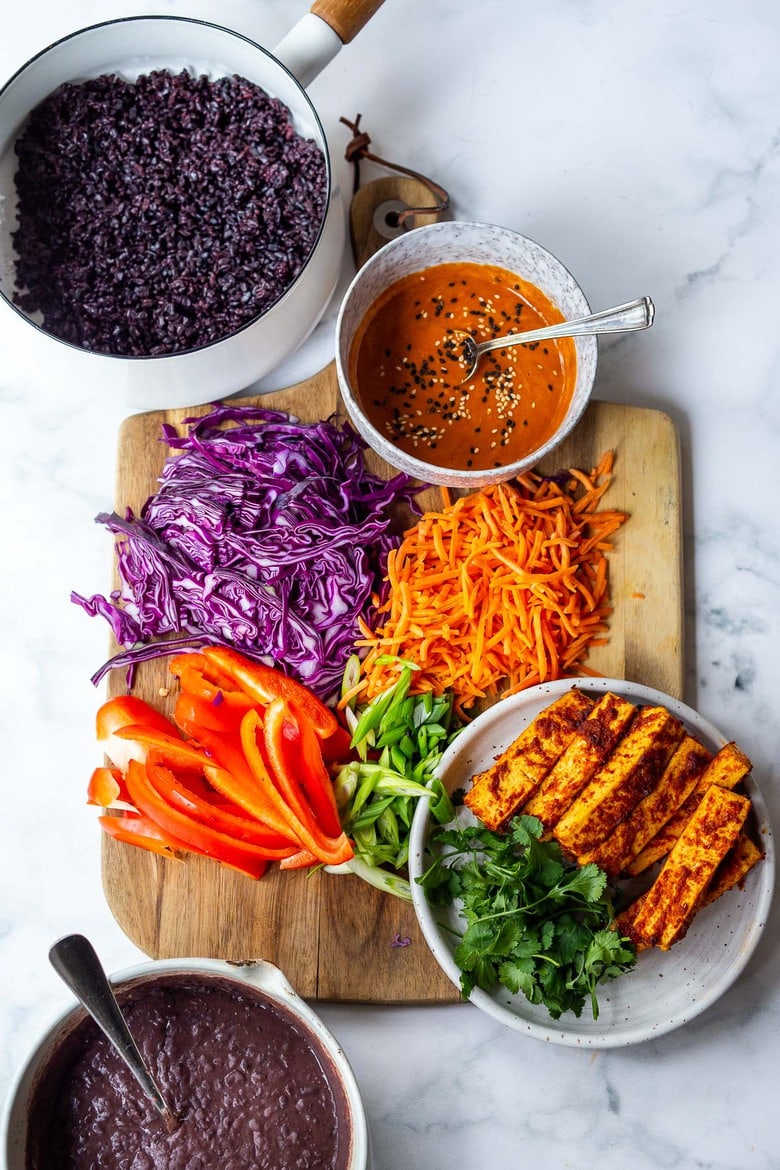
246 1082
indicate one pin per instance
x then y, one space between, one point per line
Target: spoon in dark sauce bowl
76 962
622 319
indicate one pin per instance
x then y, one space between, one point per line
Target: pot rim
330 186
260 976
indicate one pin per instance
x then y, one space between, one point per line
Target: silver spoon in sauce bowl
76 962
637 314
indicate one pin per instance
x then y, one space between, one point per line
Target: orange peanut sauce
406 366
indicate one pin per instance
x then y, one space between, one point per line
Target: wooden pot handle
346 17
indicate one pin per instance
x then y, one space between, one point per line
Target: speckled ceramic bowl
262 979
478 243
666 989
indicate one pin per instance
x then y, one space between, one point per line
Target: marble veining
639 144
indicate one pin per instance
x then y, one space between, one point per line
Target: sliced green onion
389 883
387 827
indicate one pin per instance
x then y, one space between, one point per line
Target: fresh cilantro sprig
536 923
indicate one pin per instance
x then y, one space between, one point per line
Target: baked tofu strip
594 741
630 773
677 782
497 793
727 768
733 870
668 906
624 924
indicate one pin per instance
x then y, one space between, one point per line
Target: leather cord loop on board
358 149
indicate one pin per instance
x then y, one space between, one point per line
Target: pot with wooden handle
135 45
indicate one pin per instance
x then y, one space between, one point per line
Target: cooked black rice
163 214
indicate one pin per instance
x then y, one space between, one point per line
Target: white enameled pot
261 977
137 45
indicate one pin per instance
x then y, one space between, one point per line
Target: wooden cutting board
333 936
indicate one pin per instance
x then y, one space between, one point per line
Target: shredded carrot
498 590
351 694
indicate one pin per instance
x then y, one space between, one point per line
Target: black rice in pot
163 214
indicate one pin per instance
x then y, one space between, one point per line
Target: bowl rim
261 977
331 195
555 1031
418 468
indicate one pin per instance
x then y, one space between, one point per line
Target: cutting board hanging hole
387 219
375 206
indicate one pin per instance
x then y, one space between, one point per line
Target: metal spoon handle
633 315
76 962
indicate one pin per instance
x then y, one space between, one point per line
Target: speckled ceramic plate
665 990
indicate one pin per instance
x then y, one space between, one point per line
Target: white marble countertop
641 145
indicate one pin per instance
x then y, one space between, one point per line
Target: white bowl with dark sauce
251 1072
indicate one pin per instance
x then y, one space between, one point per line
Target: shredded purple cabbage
270 536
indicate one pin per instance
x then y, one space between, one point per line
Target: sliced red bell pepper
337 748
273 751
331 850
107 788
249 859
301 860
295 758
229 821
229 774
124 711
136 829
204 678
252 800
178 752
220 760
264 683
193 713
197 677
